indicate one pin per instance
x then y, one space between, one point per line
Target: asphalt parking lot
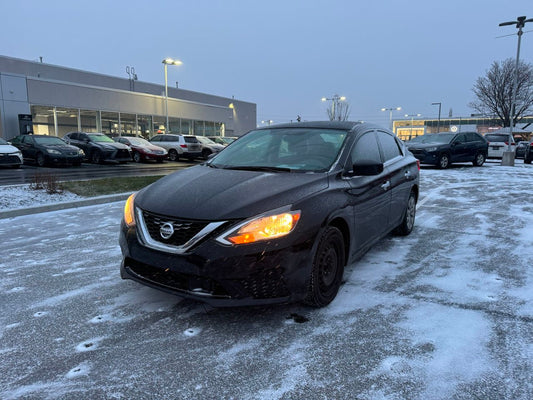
445 313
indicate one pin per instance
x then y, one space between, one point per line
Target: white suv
186 146
498 143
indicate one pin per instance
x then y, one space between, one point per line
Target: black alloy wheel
408 221
96 157
173 155
137 157
41 161
479 159
444 161
327 269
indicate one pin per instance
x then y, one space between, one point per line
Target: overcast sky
282 55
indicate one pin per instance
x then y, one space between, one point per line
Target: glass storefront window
219 129
128 124
110 123
209 129
88 121
144 125
159 125
186 127
199 128
174 125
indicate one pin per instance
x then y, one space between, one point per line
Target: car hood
421 146
62 147
116 145
147 146
7 148
211 194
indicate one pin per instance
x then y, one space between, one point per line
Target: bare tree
494 91
339 111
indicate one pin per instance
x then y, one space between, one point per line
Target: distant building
406 129
53 100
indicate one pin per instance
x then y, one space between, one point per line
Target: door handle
386 185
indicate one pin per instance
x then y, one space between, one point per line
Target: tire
408 221
206 153
479 160
96 157
137 157
173 155
444 161
327 269
40 160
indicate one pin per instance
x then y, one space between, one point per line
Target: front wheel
41 161
327 268
479 159
444 161
96 157
408 222
173 155
136 157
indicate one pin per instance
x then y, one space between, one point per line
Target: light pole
520 22
334 104
438 122
390 110
412 122
168 61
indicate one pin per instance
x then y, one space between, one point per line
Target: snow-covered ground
445 313
22 196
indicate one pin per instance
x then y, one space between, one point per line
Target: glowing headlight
81 152
431 149
129 211
262 228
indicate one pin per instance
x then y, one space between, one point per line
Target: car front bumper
222 276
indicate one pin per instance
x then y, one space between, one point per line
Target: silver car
179 146
209 147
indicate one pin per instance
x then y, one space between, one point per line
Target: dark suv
99 147
528 153
443 149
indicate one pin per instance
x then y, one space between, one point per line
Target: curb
63 206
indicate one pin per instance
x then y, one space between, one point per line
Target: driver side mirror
366 168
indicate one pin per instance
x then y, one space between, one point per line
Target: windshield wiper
257 168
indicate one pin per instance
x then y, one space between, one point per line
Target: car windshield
204 140
278 149
100 138
48 140
497 138
138 141
436 138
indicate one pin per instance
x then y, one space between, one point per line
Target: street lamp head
342 98
398 108
383 109
171 61
323 99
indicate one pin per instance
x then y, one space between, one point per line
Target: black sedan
47 150
274 217
443 149
99 148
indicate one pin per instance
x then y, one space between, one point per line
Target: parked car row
76 147
443 149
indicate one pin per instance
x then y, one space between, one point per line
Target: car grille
9 159
176 280
266 284
417 152
122 153
184 230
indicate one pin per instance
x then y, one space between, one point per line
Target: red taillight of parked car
183 145
418 164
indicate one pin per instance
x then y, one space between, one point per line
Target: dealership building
53 100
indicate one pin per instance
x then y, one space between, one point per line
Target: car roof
343 125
